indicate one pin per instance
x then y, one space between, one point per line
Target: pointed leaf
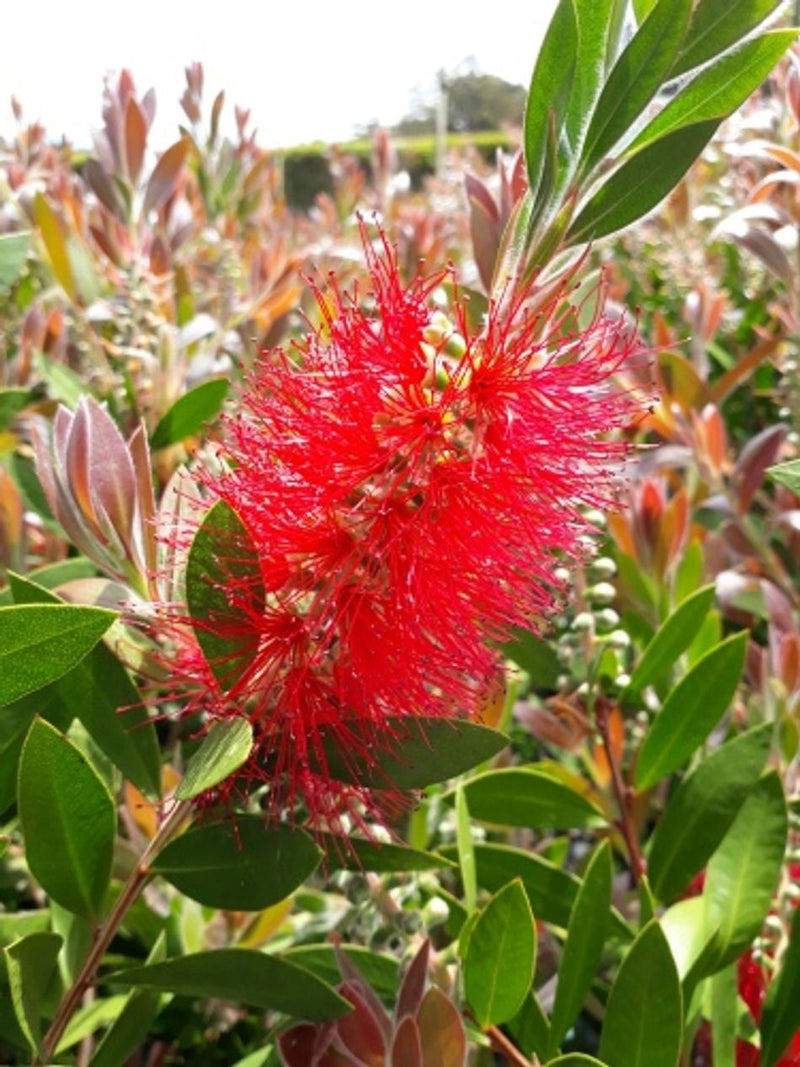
524 796
135 139
672 638
787 474
360 854
13 253
241 974
500 957
717 25
691 711
224 749
779 1016
380 971
407 1045
702 808
191 413
30 964
164 179
41 642
583 948
530 1028
595 26
444 1043
466 852
68 819
52 233
239 864
643 1022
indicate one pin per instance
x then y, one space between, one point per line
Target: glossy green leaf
18 924
536 657
94 1015
691 711
595 24
524 796
190 413
686 930
717 25
724 1016
642 8
31 964
222 555
779 1019
222 751
466 851
359 854
100 693
134 1021
583 948
13 253
743 873
719 89
643 1022
423 751
636 77
702 809
239 864
643 181
672 638
787 474
500 957
575 1059
41 642
68 819
381 971
530 1028
241 974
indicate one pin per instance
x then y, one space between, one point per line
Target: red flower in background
408 490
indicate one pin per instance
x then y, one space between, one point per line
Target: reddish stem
623 793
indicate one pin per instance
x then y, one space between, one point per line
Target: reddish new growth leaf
408 489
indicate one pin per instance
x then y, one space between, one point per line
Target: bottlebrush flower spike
407 489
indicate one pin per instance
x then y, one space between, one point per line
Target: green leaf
382 972
635 78
134 1022
222 557
466 851
717 25
643 1022
525 796
18 924
498 967
12 401
13 253
672 638
702 809
89 1018
724 1016
423 751
41 642
595 25
640 183
787 474
691 711
31 964
244 975
684 925
743 874
530 1028
190 413
68 819
779 1015
223 750
536 657
583 948
239 864
100 693
575 1059
359 854
719 89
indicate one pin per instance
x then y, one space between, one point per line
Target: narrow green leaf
18 924
89 1018
12 400
190 413
719 89
595 24
743 874
575 1059
359 854
100 693
724 1016
381 971
691 711
672 638
642 8
223 556
686 930
223 750
530 1028
636 78
787 474
68 819
640 183
423 751
239 864
717 25
244 975
525 796
31 963
779 1016
702 809
466 851
13 253
583 948
41 642
498 968
643 1023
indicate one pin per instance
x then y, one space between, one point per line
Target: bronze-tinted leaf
164 179
135 139
444 1043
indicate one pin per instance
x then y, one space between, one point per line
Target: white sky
307 69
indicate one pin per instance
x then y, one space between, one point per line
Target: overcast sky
307 69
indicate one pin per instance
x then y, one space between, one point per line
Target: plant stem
507 1048
106 932
623 794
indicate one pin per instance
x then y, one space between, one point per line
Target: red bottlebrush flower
408 489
